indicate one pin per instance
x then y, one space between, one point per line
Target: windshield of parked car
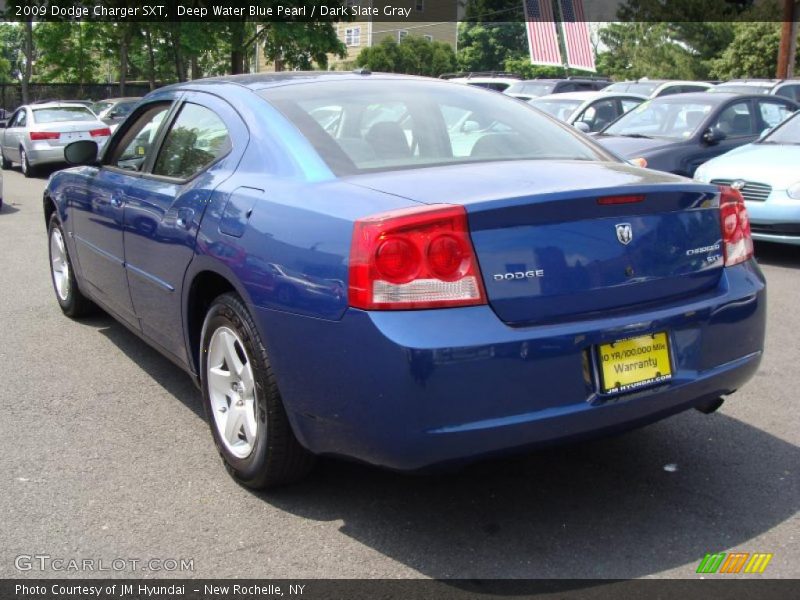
381 124
537 88
645 89
786 133
669 117
560 109
63 113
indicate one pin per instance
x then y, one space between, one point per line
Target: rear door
200 149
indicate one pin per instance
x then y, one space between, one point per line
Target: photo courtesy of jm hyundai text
402 271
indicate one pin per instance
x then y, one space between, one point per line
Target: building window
401 34
428 37
352 36
419 6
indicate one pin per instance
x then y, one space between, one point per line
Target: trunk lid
549 251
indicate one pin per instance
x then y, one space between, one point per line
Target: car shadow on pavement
171 377
779 255
626 506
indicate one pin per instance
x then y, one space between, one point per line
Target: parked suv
533 88
787 88
655 88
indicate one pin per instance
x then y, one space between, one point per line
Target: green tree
647 49
300 45
491 33
414 55
753 53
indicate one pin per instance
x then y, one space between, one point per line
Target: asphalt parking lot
105 455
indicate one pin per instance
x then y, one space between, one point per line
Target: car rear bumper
410 389
46 155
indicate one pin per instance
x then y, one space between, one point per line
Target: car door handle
115 200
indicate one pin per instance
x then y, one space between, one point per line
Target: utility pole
788 47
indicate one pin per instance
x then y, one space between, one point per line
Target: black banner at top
380 10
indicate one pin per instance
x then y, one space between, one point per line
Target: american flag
542 32
576 35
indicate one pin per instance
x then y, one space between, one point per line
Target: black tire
5 164
74 304
27 169
276 458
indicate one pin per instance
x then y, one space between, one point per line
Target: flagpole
559 16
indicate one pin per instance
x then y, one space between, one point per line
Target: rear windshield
741 89
645 89
560 109
379 125
531 89
63 113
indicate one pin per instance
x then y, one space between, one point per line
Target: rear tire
243 405
27 169
5 164
72 302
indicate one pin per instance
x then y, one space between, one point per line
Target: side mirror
79 153
714 135
582 126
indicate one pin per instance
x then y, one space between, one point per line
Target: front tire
243 405
72 302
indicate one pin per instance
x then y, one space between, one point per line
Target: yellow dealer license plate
633 363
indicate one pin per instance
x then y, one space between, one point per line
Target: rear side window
789 91
63 113
773 113
384 125
197 138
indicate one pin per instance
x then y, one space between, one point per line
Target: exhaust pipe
709 406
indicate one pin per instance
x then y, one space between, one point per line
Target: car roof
65 104
260 81
126 99
586 96
712 97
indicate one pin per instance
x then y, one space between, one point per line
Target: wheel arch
201 287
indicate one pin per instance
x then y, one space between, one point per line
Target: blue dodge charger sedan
401 270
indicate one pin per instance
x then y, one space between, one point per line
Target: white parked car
587 111
36 133
655 88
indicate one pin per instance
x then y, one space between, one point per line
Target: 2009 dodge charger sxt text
403 271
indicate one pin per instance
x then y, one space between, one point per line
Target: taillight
104 132
420 257
736 241
44 135
628 199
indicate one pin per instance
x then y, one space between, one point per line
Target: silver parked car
37 133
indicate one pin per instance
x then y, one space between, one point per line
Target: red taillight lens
630 199
44 135
737 243
414 258
104 132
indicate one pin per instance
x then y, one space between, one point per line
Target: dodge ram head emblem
624 233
